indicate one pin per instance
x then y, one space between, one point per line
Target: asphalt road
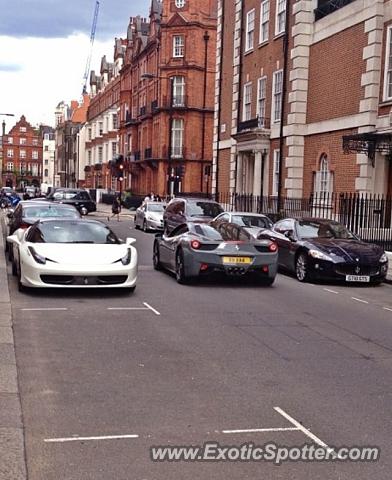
184 365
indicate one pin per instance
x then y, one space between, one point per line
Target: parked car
149 216
194 249
29 192
253 223
182 210
78 253
78 197
317 248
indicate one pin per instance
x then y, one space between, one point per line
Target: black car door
15 220
283 235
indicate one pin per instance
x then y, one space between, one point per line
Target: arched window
324 177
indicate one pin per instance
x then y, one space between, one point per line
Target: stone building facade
311 79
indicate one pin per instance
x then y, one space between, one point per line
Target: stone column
257 180
239 184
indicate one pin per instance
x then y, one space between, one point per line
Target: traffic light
120 167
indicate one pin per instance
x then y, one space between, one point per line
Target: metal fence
369 216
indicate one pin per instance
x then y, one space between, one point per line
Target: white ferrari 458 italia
72 253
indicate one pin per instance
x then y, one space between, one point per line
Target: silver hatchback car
149 216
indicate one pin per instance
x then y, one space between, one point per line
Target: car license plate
237 260
357 278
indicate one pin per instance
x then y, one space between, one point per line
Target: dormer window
180 3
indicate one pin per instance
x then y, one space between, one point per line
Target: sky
44 45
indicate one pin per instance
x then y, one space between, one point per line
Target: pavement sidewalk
104 209
12 450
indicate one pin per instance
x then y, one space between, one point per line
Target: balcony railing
129 120
147 153
326 7
254 123
154 106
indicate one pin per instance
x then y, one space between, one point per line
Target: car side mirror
130 241
13 239
290 235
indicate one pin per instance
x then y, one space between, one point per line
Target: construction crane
92 37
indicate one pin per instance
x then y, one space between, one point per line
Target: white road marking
331 291
260 430
386 308
359 300
47 309
151 308
85 439
304 430
127 308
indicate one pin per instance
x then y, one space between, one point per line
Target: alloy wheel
155 257
301 268
180 274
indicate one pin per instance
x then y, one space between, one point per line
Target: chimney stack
3 131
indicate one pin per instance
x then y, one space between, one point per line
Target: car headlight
126 259
383 258
37 257
320 255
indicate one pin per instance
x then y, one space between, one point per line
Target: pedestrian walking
116 208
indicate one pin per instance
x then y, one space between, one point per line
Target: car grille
85 280
348 269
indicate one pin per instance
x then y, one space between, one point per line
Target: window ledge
249 51
386 103
263 44
279 35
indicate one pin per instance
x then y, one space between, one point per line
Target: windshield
72 232
251 221
221 232
204 209
49 211
155 208
314 229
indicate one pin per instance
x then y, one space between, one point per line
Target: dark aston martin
317 248
195 249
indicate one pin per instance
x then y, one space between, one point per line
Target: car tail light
273 247
203 267
24 226
265 268
195 244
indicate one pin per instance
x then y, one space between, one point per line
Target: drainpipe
284 94
206 39
239 87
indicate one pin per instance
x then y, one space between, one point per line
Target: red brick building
102 122
167 98
311 79
22 156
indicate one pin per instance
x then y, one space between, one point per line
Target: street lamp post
2 146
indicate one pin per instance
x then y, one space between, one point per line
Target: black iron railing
369 216
254 123
326 7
